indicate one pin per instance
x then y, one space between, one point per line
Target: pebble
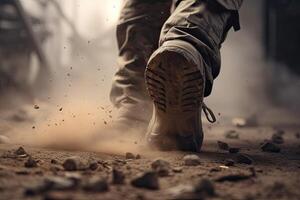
244 159
96 184
277 139
270 147
297 135
4 139
138 156
93 166
160 166
205 187
53 161
74 163
229 162
30 163
118 177
147 180
223 145
177 169
232 134
21 151
129 155
191 160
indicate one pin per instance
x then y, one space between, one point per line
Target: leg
181 72
137 35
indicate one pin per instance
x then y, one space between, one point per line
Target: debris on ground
232 134
270 147
244 159
36 107
21 152
118 177
129 155
30 163
223 145
147 180
191 160
96 184
93 166
74 163
177 169
161 167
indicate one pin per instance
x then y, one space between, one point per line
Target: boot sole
176 87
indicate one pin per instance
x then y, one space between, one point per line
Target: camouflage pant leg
204 24
138 33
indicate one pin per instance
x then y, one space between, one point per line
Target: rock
75 177
118 177
162 167
223 145
177 169
297 135
229 162
191 160
244 159
59 183
233 150
232 134
147 180
74 163
182 192
93 166
205 187
30 163
138 156
233 178
21 152
4 139
53 161
270 147
96 184
129 155
36 107
277 139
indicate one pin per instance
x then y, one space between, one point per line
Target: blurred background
56 51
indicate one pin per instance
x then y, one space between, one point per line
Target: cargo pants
145 25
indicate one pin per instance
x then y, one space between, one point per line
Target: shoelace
210 116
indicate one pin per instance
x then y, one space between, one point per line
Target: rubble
129 155
74 163
118 177
147 180
96 184
30 163
270 147
160 166
232 134
223 145
244 159
191 160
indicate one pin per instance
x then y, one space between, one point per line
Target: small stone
277 139
233 150
138 156
53 161
233 178
232 134
4 139
36 107
205 187
191 160
297 135
270 147
118 177
129 155
96 184
147 180
20 151
177 169
93 166
223 145
244 159
162 167
30 163
74 163
229 162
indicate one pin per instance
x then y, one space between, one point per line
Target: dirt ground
267 176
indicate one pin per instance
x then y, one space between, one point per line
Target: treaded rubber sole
176 87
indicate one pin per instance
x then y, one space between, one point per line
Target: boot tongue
209 114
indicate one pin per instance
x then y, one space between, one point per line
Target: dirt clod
205 187
20 151
73 163
30 163
229 162
147 180
191 160
277 139
162 167
93 166
223 145
270 147
177 169
129 155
